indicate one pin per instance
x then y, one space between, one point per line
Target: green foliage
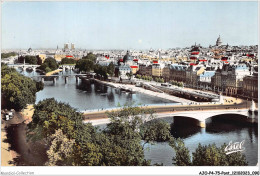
90 56
61 149
6 55
155 130
123 132
209 155
160 80
176 83
101 71
144 77
17 90
138 76
50 116
182 156
129 75
33 60
85 65
111 69
67 61
39 86
49 64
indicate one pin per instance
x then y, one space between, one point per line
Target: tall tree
67 61
49 64
90 56
61 149
182 156
85 65
16 90
209 155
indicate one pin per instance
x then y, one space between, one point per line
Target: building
192 74
229 79
250 86
66 46
72 46
127 64
204 79
166 73
157 69
42 57
218 42
178 72
123 70
145 70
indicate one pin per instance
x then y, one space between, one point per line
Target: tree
67 61
60 150
39 86
182 156
50 116
155 130
111 69
6 55
209 155
17 90
28 59
129 75
90 56
124 132
49 64
101 71
85 65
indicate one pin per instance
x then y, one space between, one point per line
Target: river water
96 96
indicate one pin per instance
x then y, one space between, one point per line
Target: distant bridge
23 66
54 77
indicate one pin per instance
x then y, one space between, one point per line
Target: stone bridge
54 77
67 67
198 118
23 66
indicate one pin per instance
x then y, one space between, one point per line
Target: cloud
140 41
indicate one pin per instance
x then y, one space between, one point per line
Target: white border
120 170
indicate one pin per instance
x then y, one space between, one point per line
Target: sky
127 25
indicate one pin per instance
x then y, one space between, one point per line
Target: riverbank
53 72
146 91
8 155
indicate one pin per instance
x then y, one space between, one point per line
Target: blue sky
127 25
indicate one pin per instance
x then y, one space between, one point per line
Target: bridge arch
187 121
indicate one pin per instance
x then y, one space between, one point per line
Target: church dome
127 57
218 42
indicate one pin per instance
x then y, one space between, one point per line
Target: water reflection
217 131
85 96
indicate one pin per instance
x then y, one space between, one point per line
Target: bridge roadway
197 112
70 75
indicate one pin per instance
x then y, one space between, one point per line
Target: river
97 96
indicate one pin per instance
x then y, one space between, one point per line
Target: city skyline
127 25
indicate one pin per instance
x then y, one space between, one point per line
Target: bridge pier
54 80
77 79
42 79
66 79
201 124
